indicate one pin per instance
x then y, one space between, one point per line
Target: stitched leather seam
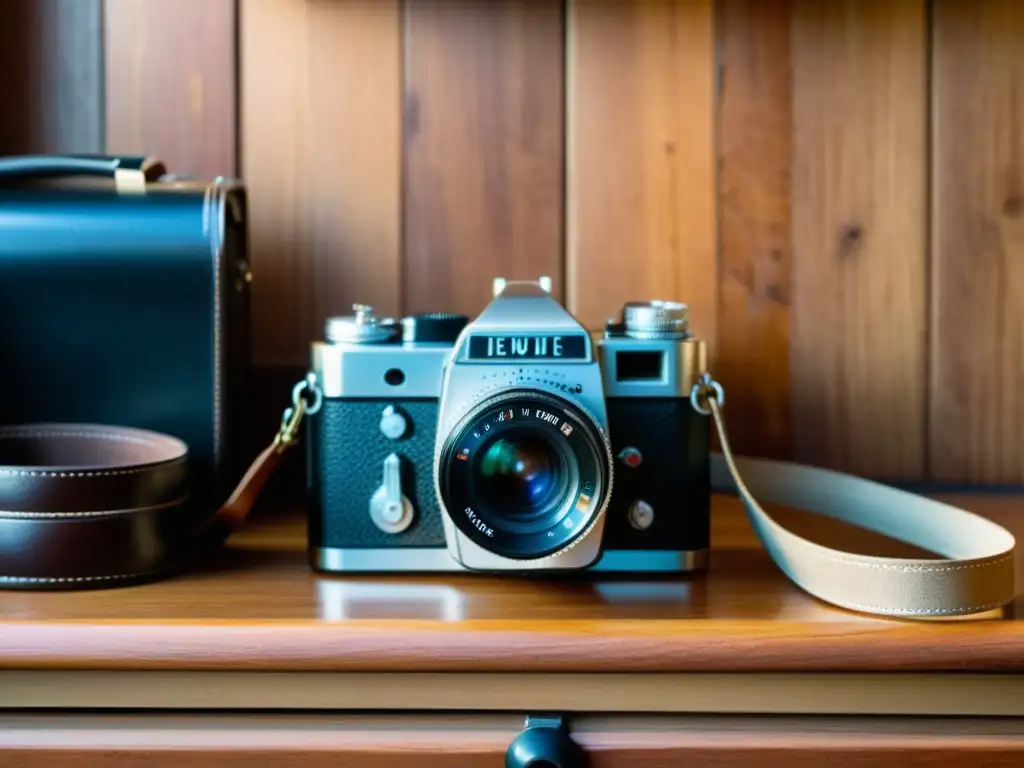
923 611
917 568
8 515
69 579
85 435
87 473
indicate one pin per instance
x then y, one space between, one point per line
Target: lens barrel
525 474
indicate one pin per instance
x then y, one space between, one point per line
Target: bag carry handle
975 573
129 172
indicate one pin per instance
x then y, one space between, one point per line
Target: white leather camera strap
975 574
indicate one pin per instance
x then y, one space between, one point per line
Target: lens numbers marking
479 524
506 416
550 418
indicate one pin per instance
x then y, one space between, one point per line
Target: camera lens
521 475
524 474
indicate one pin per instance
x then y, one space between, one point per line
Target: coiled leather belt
81 504
90 506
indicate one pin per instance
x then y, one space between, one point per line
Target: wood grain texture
484 149
935 694
425 740
417 741
259 607
860 234
171 83
51 81
755 154
641 165
977 385
321 153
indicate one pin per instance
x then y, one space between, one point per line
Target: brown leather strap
234 511
238 506
85 506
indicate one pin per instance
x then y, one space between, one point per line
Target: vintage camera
515 442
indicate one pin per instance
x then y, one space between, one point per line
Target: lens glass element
521 474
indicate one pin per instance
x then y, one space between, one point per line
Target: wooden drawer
433 741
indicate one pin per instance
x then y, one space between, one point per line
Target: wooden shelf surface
259 607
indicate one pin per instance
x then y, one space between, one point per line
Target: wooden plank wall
51 88
171 83
834 187
858 303
977 228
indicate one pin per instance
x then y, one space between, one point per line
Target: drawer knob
545 743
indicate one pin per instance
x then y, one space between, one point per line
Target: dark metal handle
545 744
41 166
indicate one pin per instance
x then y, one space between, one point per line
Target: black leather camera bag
124 300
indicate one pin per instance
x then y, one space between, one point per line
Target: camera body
512 443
